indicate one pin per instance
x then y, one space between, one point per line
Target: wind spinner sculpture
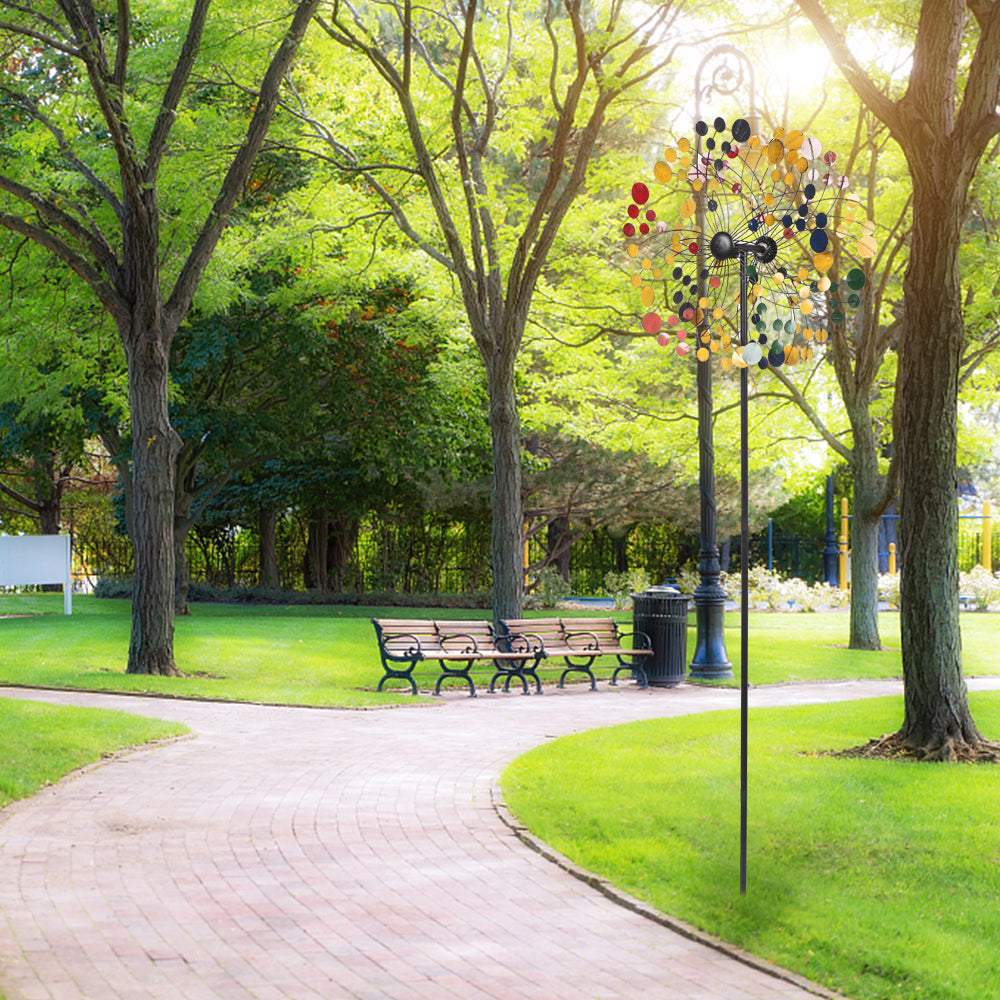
749 274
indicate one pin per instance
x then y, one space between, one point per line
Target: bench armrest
639 639
594 642
415 649
522 642
471 644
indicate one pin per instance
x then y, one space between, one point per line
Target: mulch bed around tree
891 747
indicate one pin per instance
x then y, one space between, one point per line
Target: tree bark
342 536
154 450
506 498
267 533
558 542
316 551
937 720
869 503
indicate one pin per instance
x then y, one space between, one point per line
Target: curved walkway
303 854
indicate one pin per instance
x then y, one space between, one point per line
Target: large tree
503 110
943 122
98 101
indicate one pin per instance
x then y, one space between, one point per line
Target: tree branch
31 108
175 89
795 395
124 38
49 211
194 267
116 306
20 498
886 109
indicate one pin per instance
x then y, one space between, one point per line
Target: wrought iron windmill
750 286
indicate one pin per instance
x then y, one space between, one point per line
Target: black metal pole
745 577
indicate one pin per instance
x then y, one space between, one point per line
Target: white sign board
35 559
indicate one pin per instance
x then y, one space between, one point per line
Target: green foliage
621 586
550 587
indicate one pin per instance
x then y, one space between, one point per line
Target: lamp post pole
731 68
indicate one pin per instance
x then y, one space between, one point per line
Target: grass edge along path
42 743
876 879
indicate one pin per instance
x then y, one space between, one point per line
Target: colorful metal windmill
753 286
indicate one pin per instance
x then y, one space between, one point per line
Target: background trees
479 151
491 166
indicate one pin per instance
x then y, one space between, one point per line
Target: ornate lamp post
731 71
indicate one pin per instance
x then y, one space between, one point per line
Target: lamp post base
710 661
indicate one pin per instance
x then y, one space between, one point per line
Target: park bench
578 642
457 646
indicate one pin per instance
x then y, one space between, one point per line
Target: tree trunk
937 720
869 502
154 449
342 536
557 541
507 501
48 495
267 532
864 575
316 551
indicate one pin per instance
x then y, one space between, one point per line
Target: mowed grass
280 655
880 880
327 655
40 743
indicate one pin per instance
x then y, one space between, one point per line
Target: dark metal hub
724 247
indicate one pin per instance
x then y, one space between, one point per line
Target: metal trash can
661 612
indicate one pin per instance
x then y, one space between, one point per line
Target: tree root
947 748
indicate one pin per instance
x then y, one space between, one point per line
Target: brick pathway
298 854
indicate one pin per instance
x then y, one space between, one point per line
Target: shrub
621 586
983 585
550 587
201 592
888 588
688 579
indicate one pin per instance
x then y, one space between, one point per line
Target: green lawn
877 879
326 655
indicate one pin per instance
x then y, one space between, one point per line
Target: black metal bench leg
508 676
638 674
571 667
400 675
447 672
